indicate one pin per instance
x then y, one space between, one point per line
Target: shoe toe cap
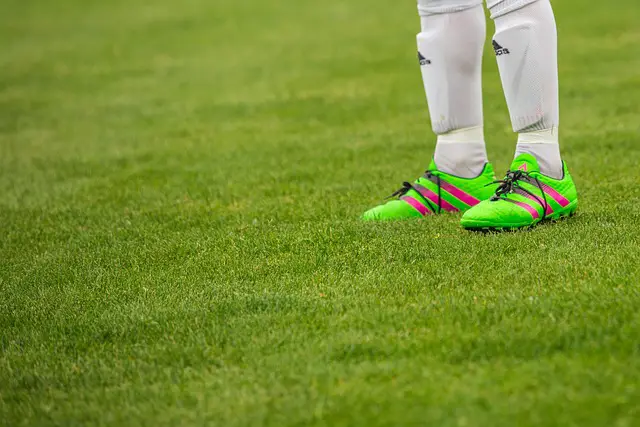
395 209
498 214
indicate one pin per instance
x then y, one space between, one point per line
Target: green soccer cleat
433 193
524 198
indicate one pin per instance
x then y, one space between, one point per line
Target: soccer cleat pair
523 198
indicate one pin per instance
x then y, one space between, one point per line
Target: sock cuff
499 8
522 124
545 136
472 135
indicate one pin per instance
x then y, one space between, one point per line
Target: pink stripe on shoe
459 194
563 201
533 211
549 209
417 205
433 197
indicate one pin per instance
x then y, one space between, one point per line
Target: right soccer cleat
524 198
433 193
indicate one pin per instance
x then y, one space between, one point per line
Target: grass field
180 184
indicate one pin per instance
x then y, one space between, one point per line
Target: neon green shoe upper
435 192
524 198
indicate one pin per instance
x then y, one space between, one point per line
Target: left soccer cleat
434 193
524 198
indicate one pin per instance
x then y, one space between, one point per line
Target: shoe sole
567 213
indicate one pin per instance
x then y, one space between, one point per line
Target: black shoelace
406 186
511 184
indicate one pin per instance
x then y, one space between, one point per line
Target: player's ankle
543 145
461 152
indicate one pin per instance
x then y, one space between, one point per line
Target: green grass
179 190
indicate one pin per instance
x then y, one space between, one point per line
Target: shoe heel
567 214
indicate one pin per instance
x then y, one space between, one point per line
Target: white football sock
525 43
450 52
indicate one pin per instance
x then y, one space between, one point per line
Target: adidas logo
423 60
499 49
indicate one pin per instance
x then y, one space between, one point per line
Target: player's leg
450 46
538 185
526 47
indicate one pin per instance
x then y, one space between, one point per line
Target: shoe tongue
433 166
526 163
